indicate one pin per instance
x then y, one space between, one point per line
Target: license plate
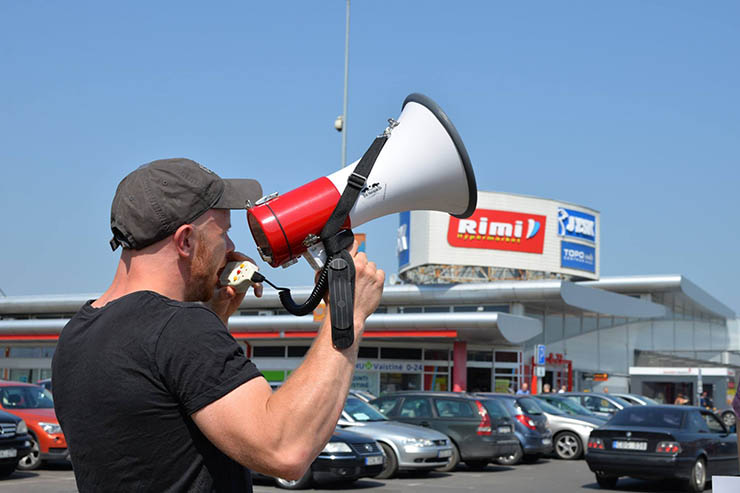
504 429
444 453
10 452
629 445
374 460
546 441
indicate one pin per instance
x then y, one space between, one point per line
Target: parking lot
547 475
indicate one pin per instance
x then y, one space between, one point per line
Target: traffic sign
539 371
540 359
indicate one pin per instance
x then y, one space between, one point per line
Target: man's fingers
354 248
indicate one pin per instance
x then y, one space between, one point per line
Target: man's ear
184 240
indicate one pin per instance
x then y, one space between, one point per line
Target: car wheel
568 446
454 460
698 478
729 419
606 481
6 470
476 465
297 484
33 459
512 459
390 465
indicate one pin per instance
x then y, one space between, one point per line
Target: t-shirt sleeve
198 360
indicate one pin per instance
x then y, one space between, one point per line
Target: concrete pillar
460 366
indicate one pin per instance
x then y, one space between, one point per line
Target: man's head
525 386
154 200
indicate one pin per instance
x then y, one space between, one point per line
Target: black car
347 457
478 435
530 426
14 442
655 442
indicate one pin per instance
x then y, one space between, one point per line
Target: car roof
425 393
11 383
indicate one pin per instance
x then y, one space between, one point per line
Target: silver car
570 432
406 447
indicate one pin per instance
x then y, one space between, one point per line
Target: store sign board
392 366
577 256
576 224
498 230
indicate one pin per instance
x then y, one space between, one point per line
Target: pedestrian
706 401
681 400
546 388
563 389
524 389
151 390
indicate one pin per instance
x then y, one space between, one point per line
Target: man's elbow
294 462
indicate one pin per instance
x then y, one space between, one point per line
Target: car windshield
648 416
568 406
362 411
549 408
529 405
621 401
22 397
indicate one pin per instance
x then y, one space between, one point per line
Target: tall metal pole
346 78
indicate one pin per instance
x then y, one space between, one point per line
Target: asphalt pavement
545 476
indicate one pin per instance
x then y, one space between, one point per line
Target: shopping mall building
512 294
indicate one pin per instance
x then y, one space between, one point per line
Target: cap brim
237 192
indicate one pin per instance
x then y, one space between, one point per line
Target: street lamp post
346 78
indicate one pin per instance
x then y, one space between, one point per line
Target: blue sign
402 239
576 224
540 354
577 256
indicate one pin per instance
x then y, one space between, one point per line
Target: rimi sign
498 230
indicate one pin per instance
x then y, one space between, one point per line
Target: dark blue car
530 427
660 442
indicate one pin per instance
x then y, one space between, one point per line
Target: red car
35 406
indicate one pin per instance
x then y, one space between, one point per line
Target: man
151 390
524 389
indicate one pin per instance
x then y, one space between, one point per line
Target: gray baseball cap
159 197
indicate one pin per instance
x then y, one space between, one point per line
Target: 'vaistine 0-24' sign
498 230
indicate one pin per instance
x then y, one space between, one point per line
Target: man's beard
203 280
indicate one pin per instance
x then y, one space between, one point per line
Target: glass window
713 423
399 353
553 326
589 321
391 382
480 355
572 325
465 309
368 352
385 404
268 351
360 410
495 409
297 351
496 308
529 405
507 357
697 423
436 309
652 417
437 354
597 404
410 309
26 397
454 408
416 407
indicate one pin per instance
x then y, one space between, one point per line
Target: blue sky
631 108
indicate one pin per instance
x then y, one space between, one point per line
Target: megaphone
422 166
418 163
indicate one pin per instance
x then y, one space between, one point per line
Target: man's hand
368 288
226 300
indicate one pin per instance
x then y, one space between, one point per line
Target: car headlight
418 442
21 428
50 428
334 447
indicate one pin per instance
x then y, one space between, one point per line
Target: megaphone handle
341 306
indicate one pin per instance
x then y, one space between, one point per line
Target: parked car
405 446
604 405
362 395
534 437
569 432
347 457
14 442
45 383
571 407
636 399
477 436
666 441
34 404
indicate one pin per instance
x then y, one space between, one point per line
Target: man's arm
280 433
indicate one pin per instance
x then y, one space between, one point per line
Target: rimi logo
498 230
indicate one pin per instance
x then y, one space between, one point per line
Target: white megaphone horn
423 165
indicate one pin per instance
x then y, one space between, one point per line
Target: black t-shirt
128 376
